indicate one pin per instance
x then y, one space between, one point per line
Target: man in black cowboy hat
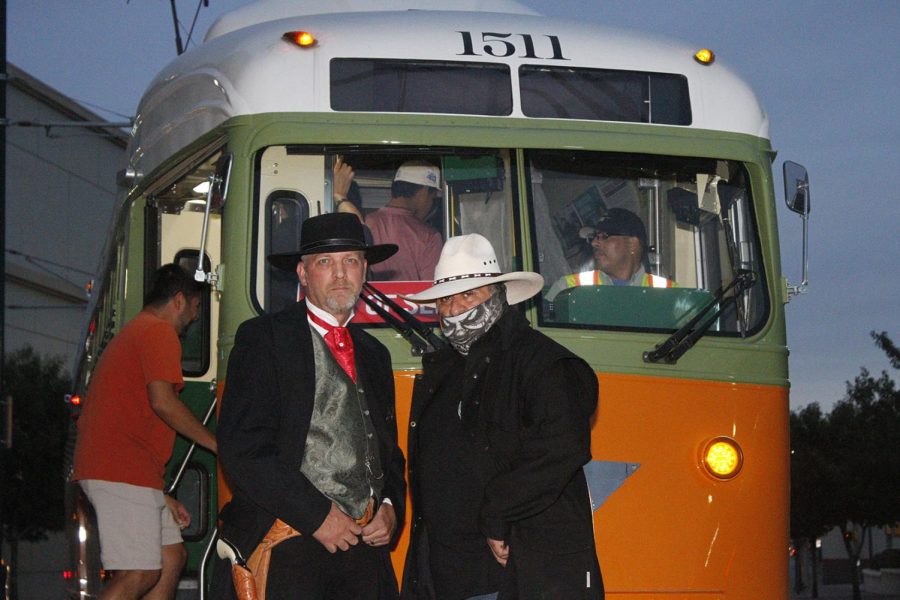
308 436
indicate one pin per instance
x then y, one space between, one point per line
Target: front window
643 242
604 95
379 85
409 197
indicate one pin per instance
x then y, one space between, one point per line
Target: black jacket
527 404
264 419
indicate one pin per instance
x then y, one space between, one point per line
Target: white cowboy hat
468 262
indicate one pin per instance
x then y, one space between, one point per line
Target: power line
104 109
41 334
178 26
43 307
32 258
194 22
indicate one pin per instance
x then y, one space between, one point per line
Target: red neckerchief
339 342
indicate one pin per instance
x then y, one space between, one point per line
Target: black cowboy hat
332 232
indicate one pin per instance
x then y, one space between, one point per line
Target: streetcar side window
286 212
642 242
412 198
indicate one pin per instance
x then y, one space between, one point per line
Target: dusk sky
827 73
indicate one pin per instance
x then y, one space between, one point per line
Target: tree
33 480
813 480
884 342
845 466
864 449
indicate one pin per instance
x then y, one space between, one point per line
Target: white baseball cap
420 173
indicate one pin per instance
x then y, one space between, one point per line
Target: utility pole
4 426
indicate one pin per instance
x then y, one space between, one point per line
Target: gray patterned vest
341 453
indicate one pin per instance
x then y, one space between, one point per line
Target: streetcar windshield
642 242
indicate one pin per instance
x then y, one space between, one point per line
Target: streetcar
539 127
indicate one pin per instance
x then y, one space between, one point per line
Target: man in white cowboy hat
414 191
499 431
308 433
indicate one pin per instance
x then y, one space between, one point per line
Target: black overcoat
527 405
263 422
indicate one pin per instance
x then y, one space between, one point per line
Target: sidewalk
840 592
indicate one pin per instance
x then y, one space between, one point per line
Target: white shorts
134 524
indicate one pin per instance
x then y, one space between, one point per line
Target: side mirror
796 188
796 196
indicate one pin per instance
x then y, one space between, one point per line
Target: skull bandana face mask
466 328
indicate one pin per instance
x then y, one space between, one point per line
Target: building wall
60 193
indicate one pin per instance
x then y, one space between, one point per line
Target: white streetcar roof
253 70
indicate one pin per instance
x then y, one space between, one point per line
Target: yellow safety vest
593 278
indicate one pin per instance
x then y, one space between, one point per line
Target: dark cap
617 221
332 232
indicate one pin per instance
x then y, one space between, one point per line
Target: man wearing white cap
402 221
499 431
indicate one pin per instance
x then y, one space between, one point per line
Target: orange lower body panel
671 530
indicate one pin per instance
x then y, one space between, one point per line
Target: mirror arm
200 274
796 290
796 195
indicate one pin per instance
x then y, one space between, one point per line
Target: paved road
840 592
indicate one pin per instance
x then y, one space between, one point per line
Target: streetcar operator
619 247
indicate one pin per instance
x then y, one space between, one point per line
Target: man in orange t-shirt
125 436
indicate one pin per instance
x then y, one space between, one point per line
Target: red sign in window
394 290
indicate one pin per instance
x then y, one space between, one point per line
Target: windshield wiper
684 339
420 336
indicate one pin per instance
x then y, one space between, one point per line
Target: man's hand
342 175
380 529
179 512
499 549
337 531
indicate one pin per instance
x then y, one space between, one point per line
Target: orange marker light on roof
705 56
304 39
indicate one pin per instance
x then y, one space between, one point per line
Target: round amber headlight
722 457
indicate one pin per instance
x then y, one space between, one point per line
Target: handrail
201 575
187 457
